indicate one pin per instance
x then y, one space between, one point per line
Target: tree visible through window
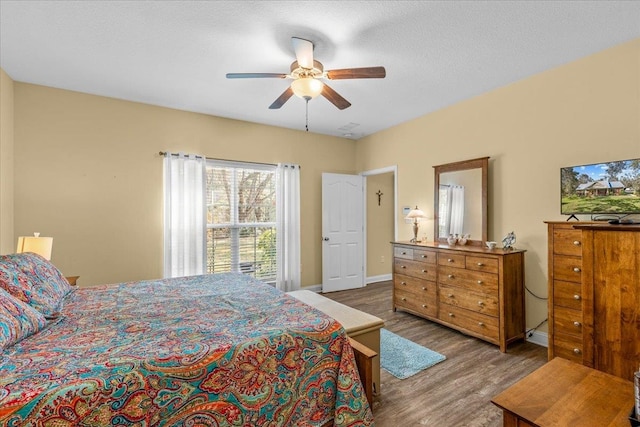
241 219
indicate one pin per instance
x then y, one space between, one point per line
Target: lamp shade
36 244
307 87
415 214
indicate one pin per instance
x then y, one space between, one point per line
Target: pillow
17 320
20 286
42 272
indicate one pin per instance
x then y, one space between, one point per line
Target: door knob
326 239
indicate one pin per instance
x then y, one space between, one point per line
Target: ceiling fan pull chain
307 115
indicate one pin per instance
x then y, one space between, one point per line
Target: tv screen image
611 188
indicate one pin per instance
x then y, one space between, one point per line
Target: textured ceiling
176 53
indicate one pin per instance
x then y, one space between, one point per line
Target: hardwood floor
456 392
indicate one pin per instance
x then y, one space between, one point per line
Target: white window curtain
184 215
457 209
288 227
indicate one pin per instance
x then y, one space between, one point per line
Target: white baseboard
380 278
539 338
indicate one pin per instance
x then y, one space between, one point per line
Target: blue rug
403 358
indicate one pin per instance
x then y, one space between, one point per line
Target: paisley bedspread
212 350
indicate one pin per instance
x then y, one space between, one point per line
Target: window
241 219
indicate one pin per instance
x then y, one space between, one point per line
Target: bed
211 350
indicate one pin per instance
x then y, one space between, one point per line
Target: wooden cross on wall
379 193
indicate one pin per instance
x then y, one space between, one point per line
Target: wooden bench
361 327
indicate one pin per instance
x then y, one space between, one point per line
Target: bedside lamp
415 214
36 244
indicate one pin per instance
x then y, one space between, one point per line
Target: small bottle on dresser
636 387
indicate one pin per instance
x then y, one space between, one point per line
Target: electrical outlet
382 259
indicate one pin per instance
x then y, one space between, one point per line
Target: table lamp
415 214
36 244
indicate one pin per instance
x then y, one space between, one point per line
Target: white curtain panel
184 215
288 227
457 209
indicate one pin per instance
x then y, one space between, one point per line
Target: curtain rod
164 153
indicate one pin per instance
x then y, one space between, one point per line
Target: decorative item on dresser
473 289
594 295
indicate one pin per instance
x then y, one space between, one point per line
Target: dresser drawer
451 259
426 256
489 265
567 321
402 252
424 304
474 301
481 324
473 280
414 285
567 268
567 241
567 294
415 269
568 347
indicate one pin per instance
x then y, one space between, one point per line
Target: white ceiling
176 53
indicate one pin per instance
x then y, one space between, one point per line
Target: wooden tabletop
563 393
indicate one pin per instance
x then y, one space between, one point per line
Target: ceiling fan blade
335 98
255 75
282 99
357 73
304 52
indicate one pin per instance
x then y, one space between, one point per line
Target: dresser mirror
460 200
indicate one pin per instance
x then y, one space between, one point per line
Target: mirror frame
480 163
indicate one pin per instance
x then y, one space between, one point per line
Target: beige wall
585 111
88 173
87 170
379 224
7 242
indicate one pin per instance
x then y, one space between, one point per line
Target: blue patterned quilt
212 350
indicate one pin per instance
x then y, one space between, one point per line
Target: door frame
379 171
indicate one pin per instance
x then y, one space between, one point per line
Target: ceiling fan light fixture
307 87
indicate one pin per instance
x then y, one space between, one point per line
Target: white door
342 232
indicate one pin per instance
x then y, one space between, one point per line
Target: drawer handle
479 282
576 242
450 276
576 324
576 297
424 271
451 315
403 266
449 260
480 264
576 269
424 305
403 299
450 295
424 288
576 351
403 283
404 253
480 324
480 303
423 256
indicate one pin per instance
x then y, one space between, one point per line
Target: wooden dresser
594 295
477 291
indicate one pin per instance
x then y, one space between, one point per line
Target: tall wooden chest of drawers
477 291
594 295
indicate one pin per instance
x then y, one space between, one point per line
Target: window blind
241 219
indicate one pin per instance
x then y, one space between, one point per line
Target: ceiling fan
306 73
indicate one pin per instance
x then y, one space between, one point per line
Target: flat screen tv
608 189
